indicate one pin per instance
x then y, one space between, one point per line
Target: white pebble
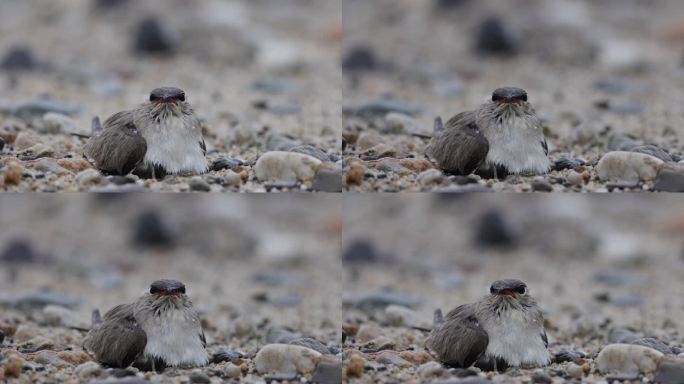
628 166
286 359
286 167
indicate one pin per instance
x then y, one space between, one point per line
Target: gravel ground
602 271
603 76
261 75
256 269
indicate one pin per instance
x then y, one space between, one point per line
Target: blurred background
602 269
257 269
261 75
603 75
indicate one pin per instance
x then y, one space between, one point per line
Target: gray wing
119 340
459 147
118 148
460 341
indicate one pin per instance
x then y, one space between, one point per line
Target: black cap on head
508 285
167 287
509 94
166 94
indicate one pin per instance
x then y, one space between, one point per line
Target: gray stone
199 378
670 371
328 178
328 372
199 185
311 343
653 151
542 185
670 180
654 343
311 151
622 335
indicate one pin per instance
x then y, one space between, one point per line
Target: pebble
541 377
199 378
233 371
152 230
328 178
13 173
89 370
19 58
24 333
25 140
627 360
280 142
620 142
430 370
431 177
41 299
46 165
575 178
400 316
232 179
368 332
89 177
74 165
575 371
355 365
59 123
653 151
328 372
359 58
493 38
670 180
400 123
380 108
391 357
198 184
20 250
50 358
494 231
310 343
13 366
355 174
368 140
55 315
628 167
542 185
152 37
311 151
37 108
286 167
618 335
286 359
654 343
670 371
565 163
225 163
379 300
226 355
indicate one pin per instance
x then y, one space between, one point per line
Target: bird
161 329
504 329
504 136
160 137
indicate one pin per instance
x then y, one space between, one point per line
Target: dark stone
541 377
311 343
151 230
280 377
121 372
327 179
361 251
622 335
19 59
542 186
120 180
280 335
653 151
19 251
123 380
311 151
565 163
40 300
449 4
225 163
380 108
109 4
199 185
670 371
199 378
493 231
670 180
494 39
563 356
620 142
381 300
226 355
654 343
328 372
360 58
151 37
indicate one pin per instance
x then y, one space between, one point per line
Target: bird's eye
153 97
496 97
154 290
521 290
181 290
181 97
523 97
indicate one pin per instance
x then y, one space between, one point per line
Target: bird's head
168 101
166 290
508 290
